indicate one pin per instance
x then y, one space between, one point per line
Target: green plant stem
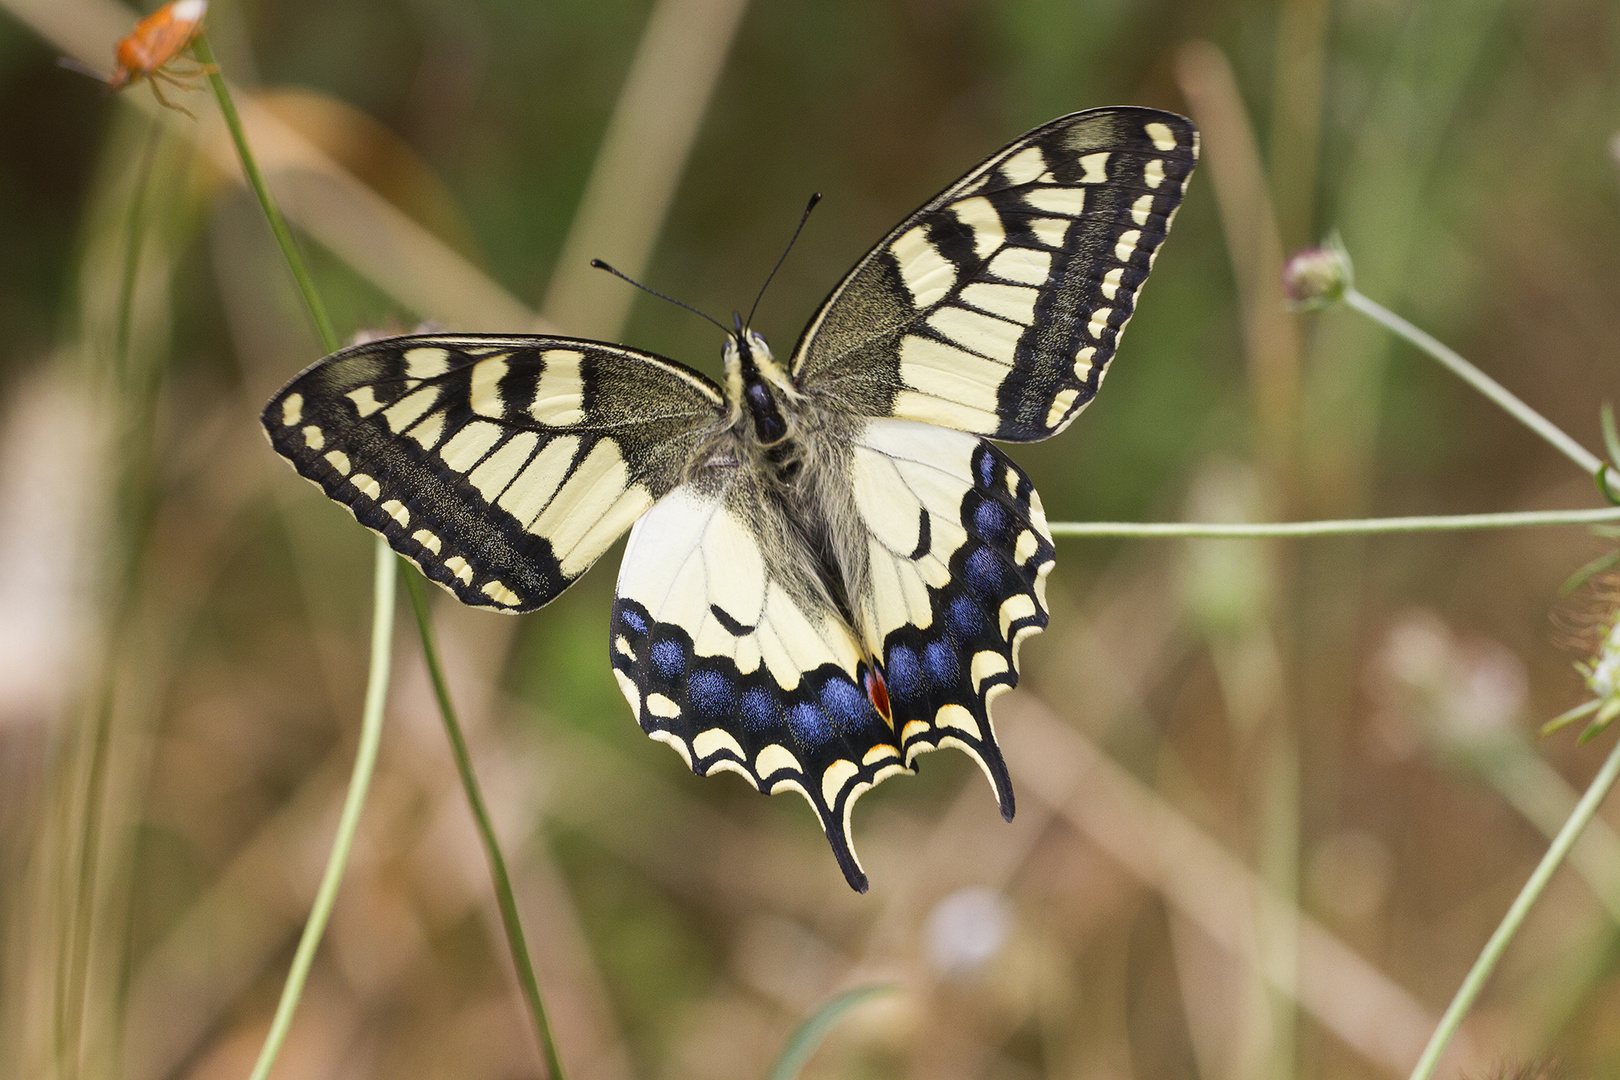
1588 461
486 832
70 1017
807 1037
1350 527
134 230
1565 718
250 167
1611 436
382 635
1488 957
384 582
71 1021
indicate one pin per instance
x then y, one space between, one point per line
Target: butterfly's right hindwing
502 466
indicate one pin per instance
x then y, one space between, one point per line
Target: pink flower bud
1317 276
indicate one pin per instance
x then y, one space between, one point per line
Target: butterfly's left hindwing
738 661
502 466
726 656
996 307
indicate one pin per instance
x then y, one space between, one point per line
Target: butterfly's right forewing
502 466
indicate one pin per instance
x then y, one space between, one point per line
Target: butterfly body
830 568
795 446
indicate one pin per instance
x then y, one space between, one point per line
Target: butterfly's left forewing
502 466
996 307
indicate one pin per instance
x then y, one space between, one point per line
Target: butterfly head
754 383
747 356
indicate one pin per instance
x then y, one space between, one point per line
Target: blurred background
1273 798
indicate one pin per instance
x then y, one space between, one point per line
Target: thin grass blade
806 1039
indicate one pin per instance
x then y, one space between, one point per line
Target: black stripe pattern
503 467
997 306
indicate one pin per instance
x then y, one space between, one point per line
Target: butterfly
830 566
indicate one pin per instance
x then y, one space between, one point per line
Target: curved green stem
1488 957
1564 719
278 224
385 584
1611 435
1350 527
807 1037
382 623
1580 455
486 832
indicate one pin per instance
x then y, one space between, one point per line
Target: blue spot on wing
990 520
668 658
985 572
845 704
966 618
904 675
711 694
987 469
633 620
939 657
759 710
809 724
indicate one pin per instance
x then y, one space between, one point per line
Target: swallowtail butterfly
830 568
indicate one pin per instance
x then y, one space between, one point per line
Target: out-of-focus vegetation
1272 798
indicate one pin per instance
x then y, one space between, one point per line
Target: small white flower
966 930
1603 676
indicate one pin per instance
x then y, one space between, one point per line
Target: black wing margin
996 307
502 466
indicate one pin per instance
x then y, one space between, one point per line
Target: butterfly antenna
600 265
811 205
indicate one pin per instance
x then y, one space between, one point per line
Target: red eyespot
877 691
